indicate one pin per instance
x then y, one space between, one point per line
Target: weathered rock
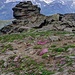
68 29
5 64
25 10
54 38
9 53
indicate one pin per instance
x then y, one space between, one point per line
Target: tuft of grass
1 63
59 49
69 46
5 47
69 61
53 46
45 55
45 72
37 47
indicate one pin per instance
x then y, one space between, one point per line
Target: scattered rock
5 64
42 42
16 58
43 51
68 29
10 73
58 73
68 35
70 50
72 57
54 38
9 53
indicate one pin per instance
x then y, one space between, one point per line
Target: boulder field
28 16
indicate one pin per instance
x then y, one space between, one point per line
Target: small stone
68 29
16 58
40 72
67 35
43 51
58 73
70 50
9 53
54 38
72 57
66 73
32 52
5 64
3 74
11 73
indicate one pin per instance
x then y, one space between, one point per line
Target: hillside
37 53
36 44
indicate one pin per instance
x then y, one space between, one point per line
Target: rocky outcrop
28 16
23 12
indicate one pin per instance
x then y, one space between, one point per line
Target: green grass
69 61
32 33
37 47
5 47
45 55
59 49
53 46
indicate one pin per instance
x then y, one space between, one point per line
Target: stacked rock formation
23 11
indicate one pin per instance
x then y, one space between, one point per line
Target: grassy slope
26 64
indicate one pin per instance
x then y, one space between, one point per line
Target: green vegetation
59 49
5 47
32 33
45 55
53 46
69 61
37 47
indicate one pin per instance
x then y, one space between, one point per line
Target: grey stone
70 50
72 57
67 35
9 53
5 64
10 73
54 38
3 74
68 29
58 73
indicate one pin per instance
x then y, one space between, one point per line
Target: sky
46 1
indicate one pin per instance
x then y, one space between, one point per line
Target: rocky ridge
28 16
